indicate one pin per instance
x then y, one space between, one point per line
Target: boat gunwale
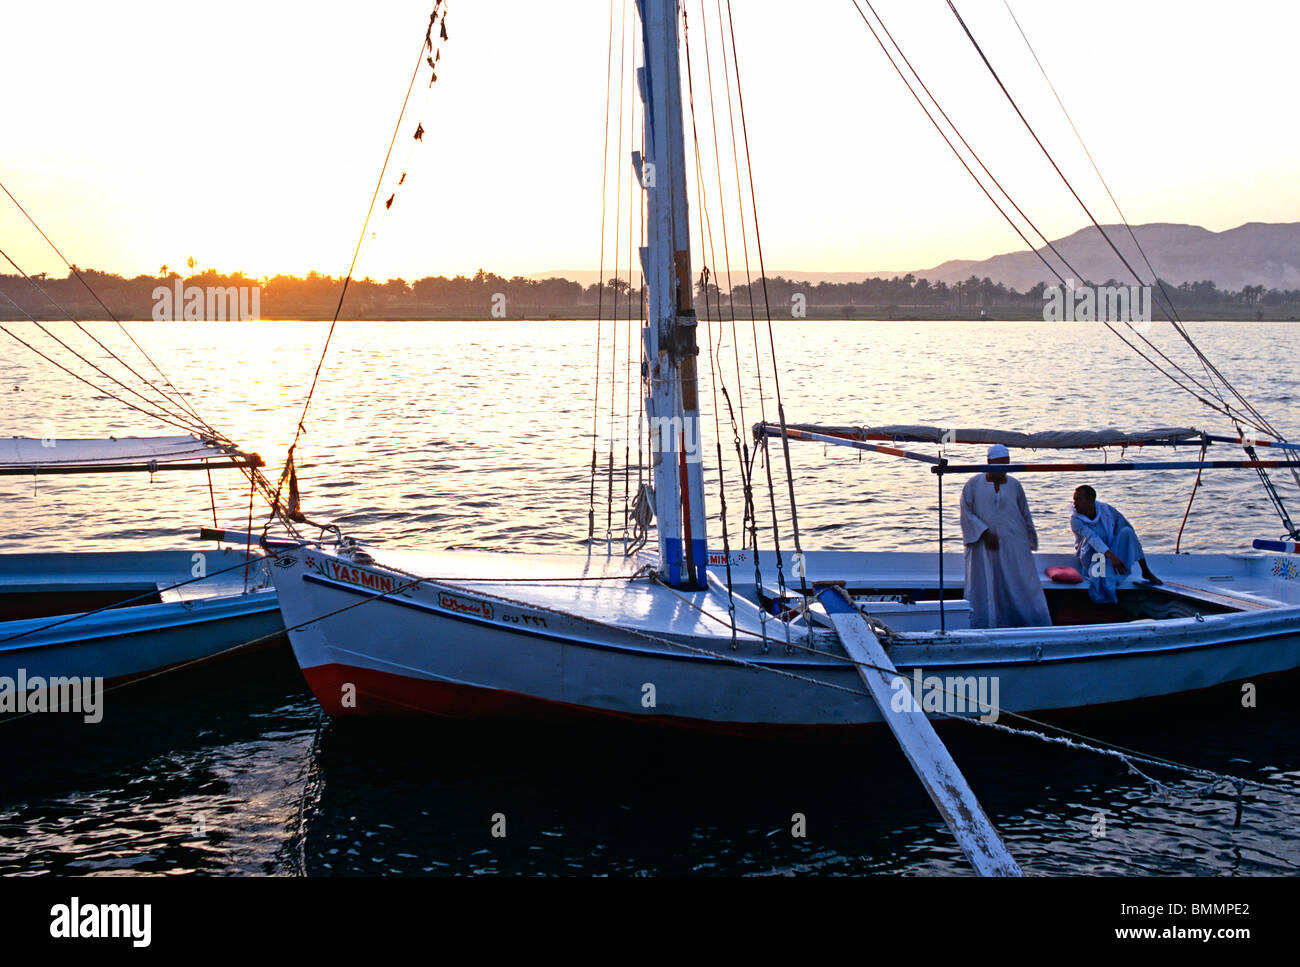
86 627
1150 632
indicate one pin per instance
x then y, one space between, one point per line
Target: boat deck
598 587
900 588
42 585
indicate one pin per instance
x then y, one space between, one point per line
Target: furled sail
1041 440
26 455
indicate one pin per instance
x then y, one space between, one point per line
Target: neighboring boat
125 615
676 636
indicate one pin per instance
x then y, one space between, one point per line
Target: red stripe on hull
382 694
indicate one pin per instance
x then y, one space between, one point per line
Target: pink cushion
1064 575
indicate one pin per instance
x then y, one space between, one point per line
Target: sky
249 135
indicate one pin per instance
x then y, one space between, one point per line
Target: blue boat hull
177 625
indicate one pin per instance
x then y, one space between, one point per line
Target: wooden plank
1191 593
934 765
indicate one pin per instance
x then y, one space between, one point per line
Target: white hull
576 644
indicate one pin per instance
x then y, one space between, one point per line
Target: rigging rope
1104 234
762 272
1176 321
1212 372
600 282
184 410
627 369
713 260
1219 407
1170 310
98 389
417 138
634 297
618 215
1119 211
748 508
642 510
706 230
1195 485
262 484
175 414
727 69
749 517
74 271
426 44
642 513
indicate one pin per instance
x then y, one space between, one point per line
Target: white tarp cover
1042 440
35 454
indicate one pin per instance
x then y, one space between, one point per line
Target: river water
479 435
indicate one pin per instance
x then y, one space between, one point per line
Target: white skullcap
997 451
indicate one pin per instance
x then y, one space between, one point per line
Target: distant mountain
1257 253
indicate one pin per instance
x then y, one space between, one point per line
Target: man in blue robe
1106 544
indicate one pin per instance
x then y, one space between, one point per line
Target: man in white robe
1002 582
1107 546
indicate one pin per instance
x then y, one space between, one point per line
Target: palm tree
190 263
162 270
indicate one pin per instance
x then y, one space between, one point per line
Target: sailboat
676 635
673 636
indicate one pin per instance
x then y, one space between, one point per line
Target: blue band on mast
673 550
700 555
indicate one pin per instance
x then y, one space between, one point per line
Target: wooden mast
669 338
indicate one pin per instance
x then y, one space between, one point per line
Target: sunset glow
249 136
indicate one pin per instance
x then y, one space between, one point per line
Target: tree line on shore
310 296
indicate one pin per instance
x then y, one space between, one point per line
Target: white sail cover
1041 440
51 455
